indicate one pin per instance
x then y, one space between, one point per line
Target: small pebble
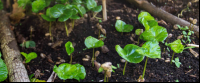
87 56
123 60
180 37
175 26
85 59
43 55
118 18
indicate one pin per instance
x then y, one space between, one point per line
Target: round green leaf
29 56
69 48
146 16
22 3
45 17
64 17
90 4
150 49
75 2
57 10
80 72
152 23
91 42
128 28
38 5
138 31
157 33
119 25
129 53
81 10
65 71
97 8
3 70
74 17
176 46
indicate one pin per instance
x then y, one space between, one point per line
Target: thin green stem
66 30
107 79
145 67
50 31
138 40
124 68
99 34
70 59
72 23
93 58
104 75
172 58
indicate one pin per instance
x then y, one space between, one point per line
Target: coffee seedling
121 26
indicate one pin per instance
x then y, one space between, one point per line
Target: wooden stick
104 10
145 5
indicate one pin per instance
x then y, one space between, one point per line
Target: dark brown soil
157 70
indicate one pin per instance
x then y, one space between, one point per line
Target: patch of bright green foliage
3 70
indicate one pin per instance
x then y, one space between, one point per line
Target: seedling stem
124 68
72 23
104 75
50 32
66 30
70 59
172 58
138 40
94 58
144 67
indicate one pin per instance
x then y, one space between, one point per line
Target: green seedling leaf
150 49
183 28
75 2
29 56
62 1
68 71
152 23
123 27
3 70
31 76
57 10
176 46
129 53
90 4
91 42
22 3
81 10
29 44
38 5
100 69
113 67
184 33
80 72
97 8
138 31
189 47
64 17
157 33
69 48
177 63
147 20
45 17
74 17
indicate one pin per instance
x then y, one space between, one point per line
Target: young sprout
176 61
31 29
188 5
191 20
121 26
29 57
150 49
129 54
177 47
69 49
194 22
91 42
107 68
138 32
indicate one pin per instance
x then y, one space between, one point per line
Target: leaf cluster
69 71
121 26
28 44
29 56
176 61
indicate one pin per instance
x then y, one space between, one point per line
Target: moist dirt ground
157 70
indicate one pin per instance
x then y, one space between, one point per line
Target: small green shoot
69 49
177 80
129 54
28 44
91 42
121 26
29 57
176 61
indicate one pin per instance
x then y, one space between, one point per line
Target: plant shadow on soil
157 70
